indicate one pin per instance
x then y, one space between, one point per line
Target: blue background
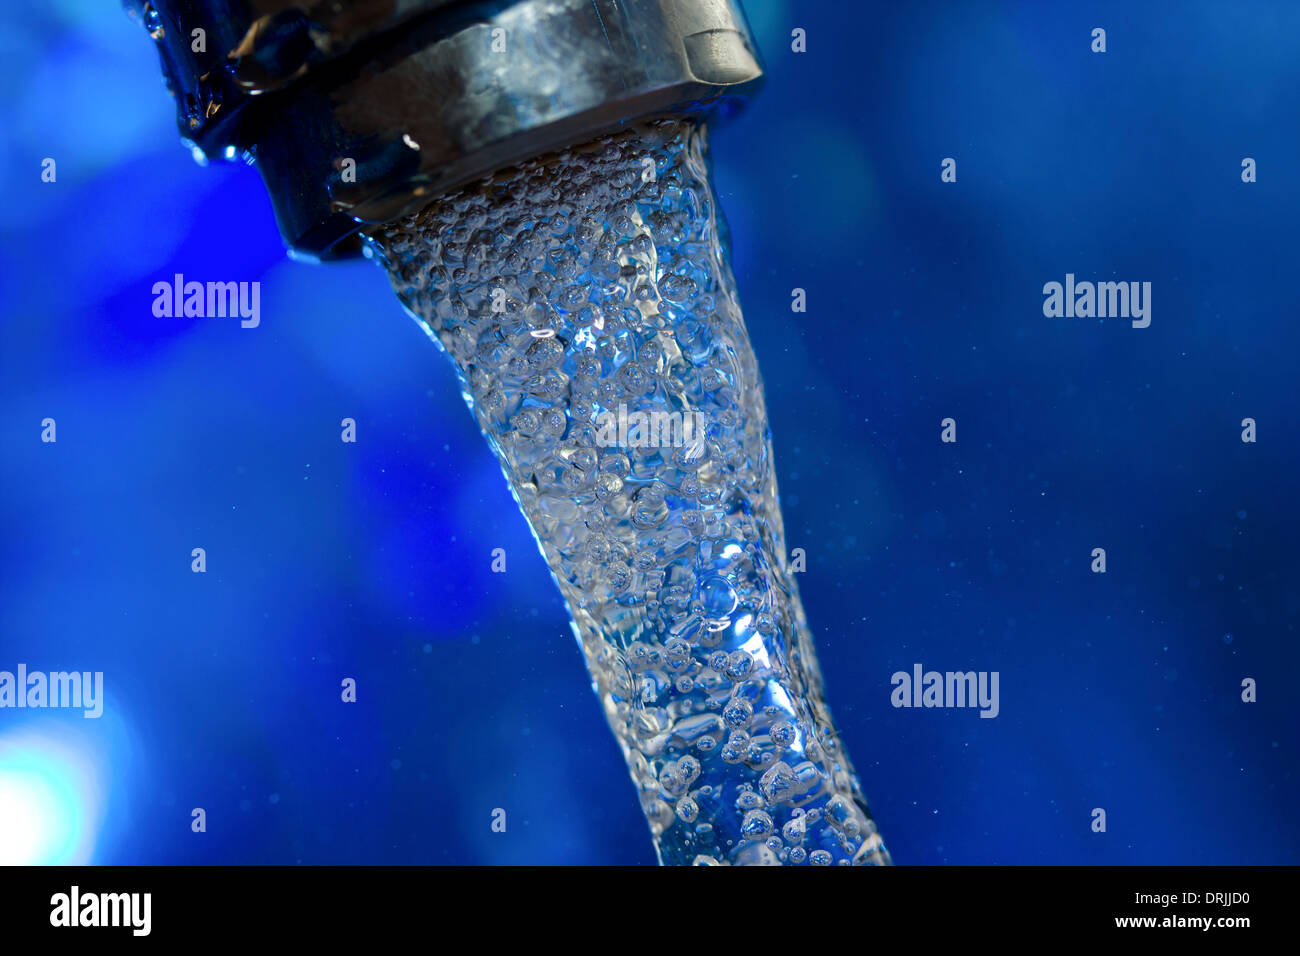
371 561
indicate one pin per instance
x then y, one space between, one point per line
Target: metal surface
359 112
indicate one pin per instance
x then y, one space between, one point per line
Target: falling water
587 302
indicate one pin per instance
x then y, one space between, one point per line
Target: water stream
588 305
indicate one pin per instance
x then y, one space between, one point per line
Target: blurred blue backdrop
371 560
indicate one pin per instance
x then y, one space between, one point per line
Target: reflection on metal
302 87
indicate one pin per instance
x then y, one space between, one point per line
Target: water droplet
756 825
778 783
738 713
739 665
677 288
716 597
153 21
687 810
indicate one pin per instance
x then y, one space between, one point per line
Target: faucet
502 158
357 112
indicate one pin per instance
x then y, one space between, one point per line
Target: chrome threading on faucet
588 305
